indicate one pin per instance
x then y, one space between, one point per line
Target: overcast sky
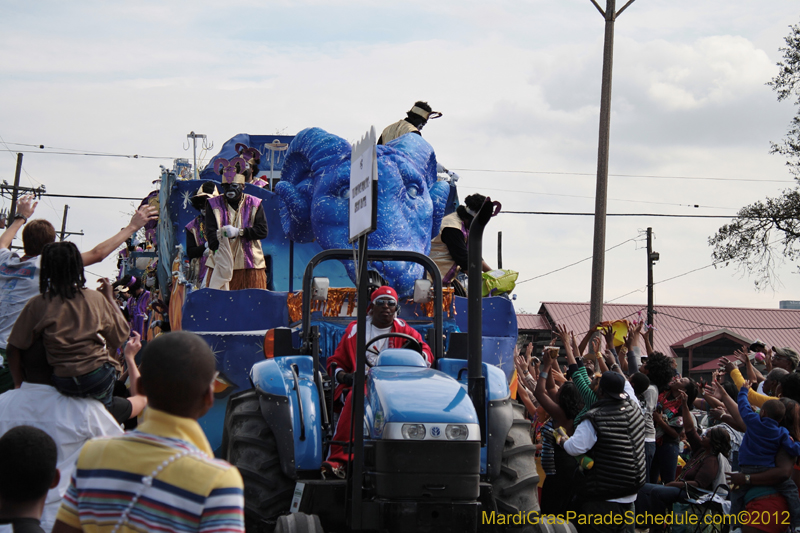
518 83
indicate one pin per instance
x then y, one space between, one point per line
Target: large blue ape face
314 190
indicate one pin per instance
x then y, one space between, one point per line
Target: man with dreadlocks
80 328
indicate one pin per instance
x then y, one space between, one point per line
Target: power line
573 264
574 214
616 175
695 206
91 197
94 153
91 154
721 326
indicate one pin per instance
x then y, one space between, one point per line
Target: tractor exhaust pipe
476 383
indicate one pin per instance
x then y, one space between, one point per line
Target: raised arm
647 346
719 393
752 373
566 338
138 401
586 338
25 208
630 340
142 216
688 422
756 399
543 398
523 380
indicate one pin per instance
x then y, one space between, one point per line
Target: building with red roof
696 336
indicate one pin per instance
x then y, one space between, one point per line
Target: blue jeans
665 462
657 499
97 384
649 452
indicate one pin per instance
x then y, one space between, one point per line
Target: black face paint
233 192
199 204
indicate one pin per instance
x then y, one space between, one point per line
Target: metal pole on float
601 194
363 210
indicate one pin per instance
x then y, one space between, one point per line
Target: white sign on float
363 186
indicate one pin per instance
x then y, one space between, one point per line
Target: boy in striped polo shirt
162 476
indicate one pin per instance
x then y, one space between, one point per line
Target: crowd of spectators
599 455
69 374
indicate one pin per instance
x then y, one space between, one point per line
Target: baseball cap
385 292
788 353
613 385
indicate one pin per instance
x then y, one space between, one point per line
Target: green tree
767 232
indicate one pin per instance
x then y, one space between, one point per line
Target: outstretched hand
26 206
134 345
105 288
727 364
596 344
142 216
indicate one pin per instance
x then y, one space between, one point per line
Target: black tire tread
299 523
515 488
251 447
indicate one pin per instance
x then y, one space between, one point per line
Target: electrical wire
574 214
752 328
618 175
92 154
695 206
91 197
573 264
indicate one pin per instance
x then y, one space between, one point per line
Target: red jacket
345 354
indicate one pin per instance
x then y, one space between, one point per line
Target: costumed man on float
415 120
196 242
242 221
253 158
136 309
381 319
449 248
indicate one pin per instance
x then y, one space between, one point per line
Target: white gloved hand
453 176
206 252
230 231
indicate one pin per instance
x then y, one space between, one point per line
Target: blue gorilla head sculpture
314 192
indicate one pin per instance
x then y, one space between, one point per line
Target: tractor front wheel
251 447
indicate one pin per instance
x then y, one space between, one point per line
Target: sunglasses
384 302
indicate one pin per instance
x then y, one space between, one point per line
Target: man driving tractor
381 320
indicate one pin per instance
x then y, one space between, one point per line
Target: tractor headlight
456 432
413 431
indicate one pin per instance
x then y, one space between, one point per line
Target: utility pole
499 250
15 192
601 195
652 257
64 223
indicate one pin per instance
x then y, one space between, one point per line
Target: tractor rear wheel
515 489
251 447
299 523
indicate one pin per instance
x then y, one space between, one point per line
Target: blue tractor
442 449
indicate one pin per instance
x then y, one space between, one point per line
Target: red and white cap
384 292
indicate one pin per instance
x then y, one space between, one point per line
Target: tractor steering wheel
415 344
